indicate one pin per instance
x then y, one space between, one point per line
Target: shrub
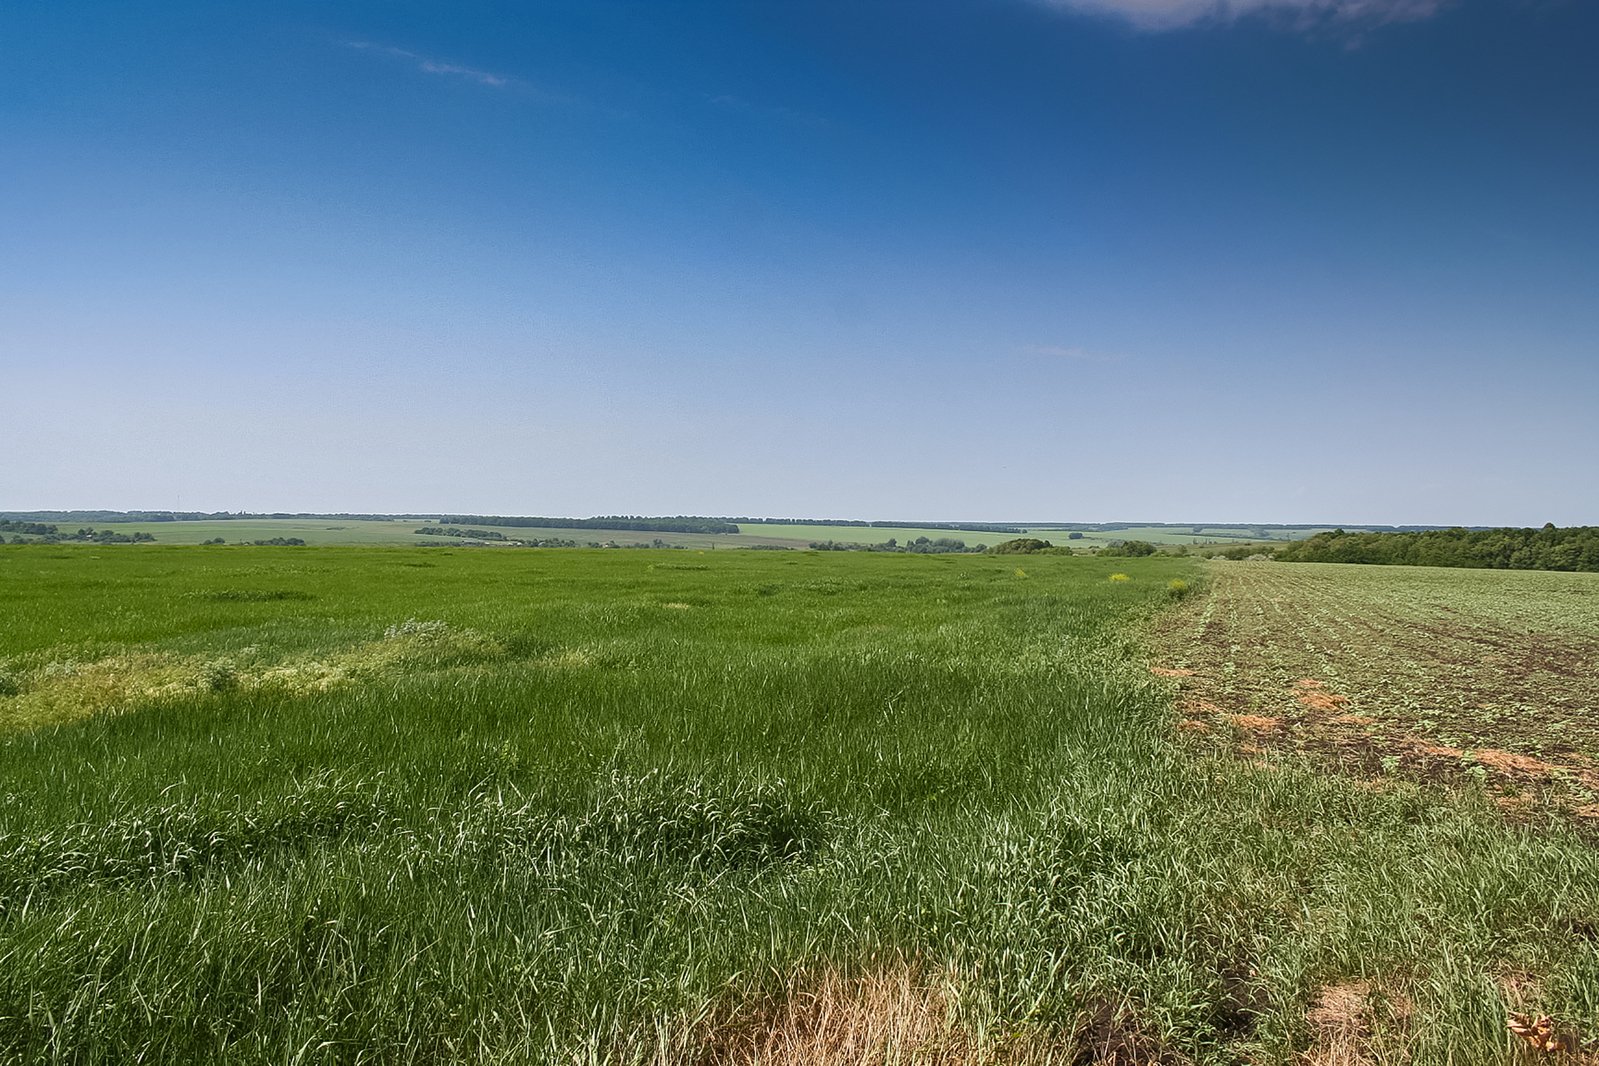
1020 546
10 684
1178 589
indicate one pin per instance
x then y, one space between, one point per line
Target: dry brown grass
1538 1036
898 1016
1341 1018
885 1016
68 690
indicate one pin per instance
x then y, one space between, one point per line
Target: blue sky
1283 260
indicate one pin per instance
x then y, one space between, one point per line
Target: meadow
364 804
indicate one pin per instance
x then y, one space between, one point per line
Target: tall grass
657 807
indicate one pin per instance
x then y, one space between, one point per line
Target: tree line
920 546
1549 548
968 527
635 523
457 531
47 533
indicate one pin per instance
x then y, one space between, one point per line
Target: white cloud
1174 14
434 66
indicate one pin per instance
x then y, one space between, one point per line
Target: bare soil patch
1437 674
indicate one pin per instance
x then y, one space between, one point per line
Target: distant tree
1130 549
1549 548
1020 546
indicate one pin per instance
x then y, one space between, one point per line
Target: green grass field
318 531
341 805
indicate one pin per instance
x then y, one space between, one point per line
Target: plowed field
1391 669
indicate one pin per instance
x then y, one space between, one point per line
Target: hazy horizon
418 513
1275 258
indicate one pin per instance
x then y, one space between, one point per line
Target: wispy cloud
434 66
1304 14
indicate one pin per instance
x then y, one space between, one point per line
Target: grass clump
219 675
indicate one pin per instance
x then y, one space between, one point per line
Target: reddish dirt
1255 723
1322 701
1508 762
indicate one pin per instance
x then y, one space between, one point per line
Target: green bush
1132 549
1021 546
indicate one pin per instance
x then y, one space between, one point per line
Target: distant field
358 531
331 532
338 804
804 534
327 532
1166 535
1055 534
613 536
312 531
